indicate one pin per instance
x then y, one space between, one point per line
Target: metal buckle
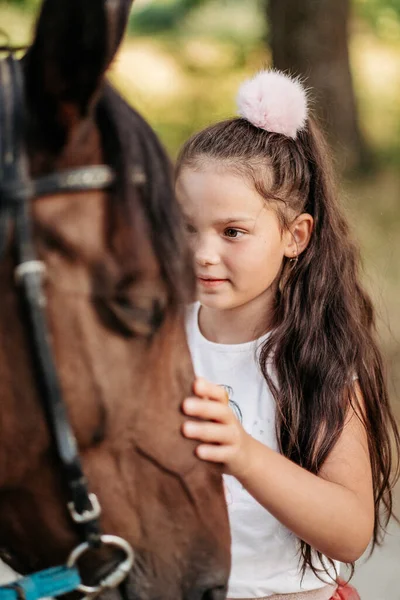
113 579
87 515
27 267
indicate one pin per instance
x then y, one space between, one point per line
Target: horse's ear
74 43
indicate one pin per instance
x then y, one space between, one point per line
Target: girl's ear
74 43
298 235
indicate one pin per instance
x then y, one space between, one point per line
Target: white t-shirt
265 554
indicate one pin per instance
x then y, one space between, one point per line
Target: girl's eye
233 233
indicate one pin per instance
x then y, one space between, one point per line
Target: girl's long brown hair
323 334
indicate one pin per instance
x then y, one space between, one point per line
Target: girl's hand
224 439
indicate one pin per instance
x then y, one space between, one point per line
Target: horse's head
117 277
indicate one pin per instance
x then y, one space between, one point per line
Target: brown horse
118 276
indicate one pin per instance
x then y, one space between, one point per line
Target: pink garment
345 592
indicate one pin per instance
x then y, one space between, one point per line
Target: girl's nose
205 253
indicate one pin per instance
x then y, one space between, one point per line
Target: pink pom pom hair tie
275 102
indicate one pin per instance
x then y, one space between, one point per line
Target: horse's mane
133 149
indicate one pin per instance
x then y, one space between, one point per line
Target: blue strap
51 582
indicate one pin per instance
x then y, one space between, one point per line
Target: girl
284 328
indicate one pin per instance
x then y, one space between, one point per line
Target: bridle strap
82 179
16 191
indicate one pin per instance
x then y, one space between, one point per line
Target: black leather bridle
17 189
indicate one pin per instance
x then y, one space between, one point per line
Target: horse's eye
136 319
123 303
136 306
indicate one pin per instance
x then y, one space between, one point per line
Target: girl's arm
332 511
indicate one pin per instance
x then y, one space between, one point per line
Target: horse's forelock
142 164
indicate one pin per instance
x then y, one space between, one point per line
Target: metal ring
117 576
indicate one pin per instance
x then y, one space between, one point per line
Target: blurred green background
183 60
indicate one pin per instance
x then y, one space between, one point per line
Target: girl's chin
214 301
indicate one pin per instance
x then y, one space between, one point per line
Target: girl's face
236 237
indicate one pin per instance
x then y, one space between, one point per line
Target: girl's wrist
253 461
240 466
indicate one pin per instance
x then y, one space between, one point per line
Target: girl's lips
210 282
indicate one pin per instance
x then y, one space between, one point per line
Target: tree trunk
310 38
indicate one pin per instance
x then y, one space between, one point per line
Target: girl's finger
207 410
212 453
206 389
213 433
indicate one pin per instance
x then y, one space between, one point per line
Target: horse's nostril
216 593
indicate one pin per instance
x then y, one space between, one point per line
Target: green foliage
222 19
25 4
375 7
159 16
383 16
